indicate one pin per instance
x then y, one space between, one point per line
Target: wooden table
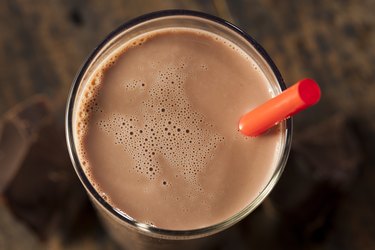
43 44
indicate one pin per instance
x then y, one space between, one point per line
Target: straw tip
309 91
246 129
300 96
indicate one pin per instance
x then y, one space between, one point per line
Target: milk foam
170 128
165 133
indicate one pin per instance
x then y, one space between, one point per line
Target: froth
151 142
169 131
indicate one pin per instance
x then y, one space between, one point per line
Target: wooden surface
43 44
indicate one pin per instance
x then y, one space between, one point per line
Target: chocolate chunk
43 190
17 130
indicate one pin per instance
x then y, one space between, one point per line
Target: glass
127 231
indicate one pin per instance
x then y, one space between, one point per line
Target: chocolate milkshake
152 129
157 129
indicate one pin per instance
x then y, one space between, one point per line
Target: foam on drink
157 137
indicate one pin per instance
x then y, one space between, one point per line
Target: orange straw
300 96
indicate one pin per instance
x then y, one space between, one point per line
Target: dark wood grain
43 44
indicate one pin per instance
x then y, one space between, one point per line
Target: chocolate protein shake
157 129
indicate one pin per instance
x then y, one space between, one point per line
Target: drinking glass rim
144 228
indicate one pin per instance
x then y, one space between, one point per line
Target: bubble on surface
171 131
167 131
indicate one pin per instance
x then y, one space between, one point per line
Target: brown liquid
157 130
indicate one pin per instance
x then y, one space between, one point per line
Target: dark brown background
326 197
